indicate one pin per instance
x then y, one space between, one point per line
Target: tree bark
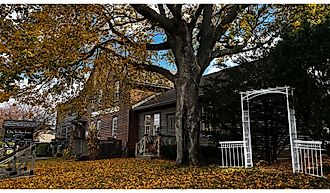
187 127
187 87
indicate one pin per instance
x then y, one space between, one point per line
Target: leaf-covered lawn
135 173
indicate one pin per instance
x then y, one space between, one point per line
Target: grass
131 173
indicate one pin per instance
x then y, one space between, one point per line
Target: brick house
142 110
109 98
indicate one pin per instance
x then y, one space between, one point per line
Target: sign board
19 131
18 135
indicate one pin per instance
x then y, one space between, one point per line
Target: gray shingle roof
169 97
164 99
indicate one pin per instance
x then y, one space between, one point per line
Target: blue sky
159 38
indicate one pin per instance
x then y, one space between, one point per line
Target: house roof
169 97
164 99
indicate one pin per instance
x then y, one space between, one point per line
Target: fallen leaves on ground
131 173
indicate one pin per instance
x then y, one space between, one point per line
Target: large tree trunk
187 87
187 127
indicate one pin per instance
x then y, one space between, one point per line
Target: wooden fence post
144 144
136 149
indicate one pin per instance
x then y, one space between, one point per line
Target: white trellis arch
306 156
248 95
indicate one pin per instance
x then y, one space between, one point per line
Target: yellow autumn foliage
131 173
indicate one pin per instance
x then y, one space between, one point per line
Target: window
171 124
117 90
203 122
156 129
69 131
86 132
99 98
98 127
114 127
80 133
147 121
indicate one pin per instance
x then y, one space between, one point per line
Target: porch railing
150 145
232 154
19 164
309 157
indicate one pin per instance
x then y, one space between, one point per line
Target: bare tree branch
230 17
92 51
144 66
237 49
218 13
154 68
195 17
160 46
153 16
205 35
129 22
220 53
175 9
112 26
161 9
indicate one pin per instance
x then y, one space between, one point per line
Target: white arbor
306 155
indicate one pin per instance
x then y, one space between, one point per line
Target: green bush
42 150
67 155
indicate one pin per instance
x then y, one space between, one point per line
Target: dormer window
117 90
114 127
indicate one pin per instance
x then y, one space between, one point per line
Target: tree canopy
54 48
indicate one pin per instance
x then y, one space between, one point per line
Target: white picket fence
309 157
232 154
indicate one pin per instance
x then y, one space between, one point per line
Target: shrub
262 163
211 154
327 148
42 149
168 152
67 155
59 155
81 157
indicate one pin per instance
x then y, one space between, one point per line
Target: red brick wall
123 124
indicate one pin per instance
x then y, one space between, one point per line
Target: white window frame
147 127
98 128
156 126
117 90
114 127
